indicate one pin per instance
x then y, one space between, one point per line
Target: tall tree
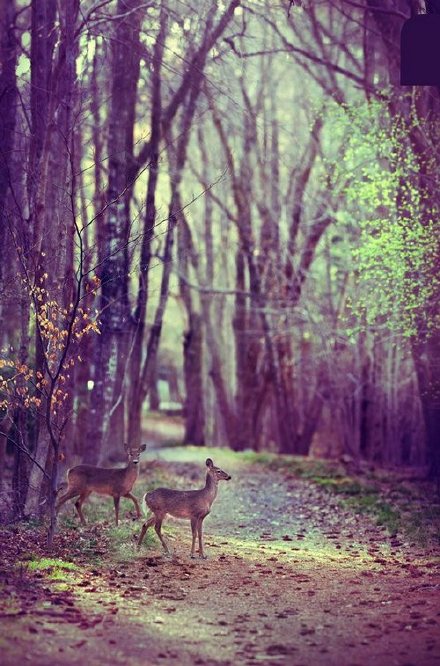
112 347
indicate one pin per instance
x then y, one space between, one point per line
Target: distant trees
418 211
291 273
396 203
243 178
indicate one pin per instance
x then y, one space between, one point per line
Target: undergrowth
401 507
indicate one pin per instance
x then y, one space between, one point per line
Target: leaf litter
294 577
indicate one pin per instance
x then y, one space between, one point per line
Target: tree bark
111 353
192 371
8 114
136 391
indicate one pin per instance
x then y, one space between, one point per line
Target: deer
192 504
83 480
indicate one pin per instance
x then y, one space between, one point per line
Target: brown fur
192 504
83 480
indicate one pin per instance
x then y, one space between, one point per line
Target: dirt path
291 579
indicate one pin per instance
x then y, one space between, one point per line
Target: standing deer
83 480
192 504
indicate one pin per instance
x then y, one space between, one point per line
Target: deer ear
143 447
126 446
209 462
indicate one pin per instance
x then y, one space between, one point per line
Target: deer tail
144 505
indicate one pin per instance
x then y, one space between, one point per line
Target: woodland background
234 200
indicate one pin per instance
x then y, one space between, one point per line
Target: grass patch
62 587
388 516
57 574
382 512
319 471
423 524
354 493
50 563
398 506
55 568
345 485
122 545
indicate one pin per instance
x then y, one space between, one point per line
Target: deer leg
135 502
144 529
78 504
158 527
200 531
194 535
116 503
67 496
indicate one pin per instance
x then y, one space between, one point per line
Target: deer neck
131 471
211 487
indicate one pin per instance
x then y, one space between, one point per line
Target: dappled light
293 573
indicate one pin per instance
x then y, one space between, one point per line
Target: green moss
49 563
55 568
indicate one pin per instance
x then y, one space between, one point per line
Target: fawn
192 504
83 480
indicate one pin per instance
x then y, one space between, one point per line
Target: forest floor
299 573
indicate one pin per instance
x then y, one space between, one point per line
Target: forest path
292 578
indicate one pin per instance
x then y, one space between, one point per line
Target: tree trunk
20 479
112 346
8 114
426 352
192 370
136 390
194 408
